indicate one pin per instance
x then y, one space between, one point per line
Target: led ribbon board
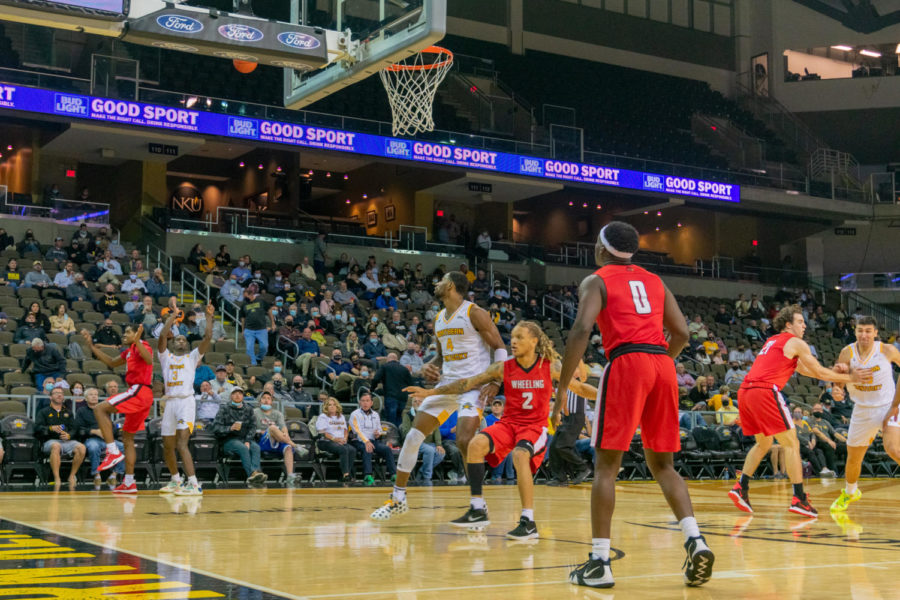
194 121
115 9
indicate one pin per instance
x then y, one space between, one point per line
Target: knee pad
409 453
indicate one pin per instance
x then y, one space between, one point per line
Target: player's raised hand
431 372
416 392
210 311
140 332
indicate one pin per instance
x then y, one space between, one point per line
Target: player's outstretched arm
591 299
112 363
494 374
842 364
167 330
143 351
809 366
205 343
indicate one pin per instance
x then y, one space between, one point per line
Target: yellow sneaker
844 499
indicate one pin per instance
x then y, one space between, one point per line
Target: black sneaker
526 530
557 483
583 475
699 562
474 517
594 573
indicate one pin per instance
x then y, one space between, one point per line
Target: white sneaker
826 472
189 489
391 508
170 488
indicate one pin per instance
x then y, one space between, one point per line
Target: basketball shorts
441 407
638 390
267 444
135 403
865 423
506 436
763 411
179 413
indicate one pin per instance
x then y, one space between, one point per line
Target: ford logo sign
240 33
179 24
300 41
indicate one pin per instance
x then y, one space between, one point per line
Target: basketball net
411 85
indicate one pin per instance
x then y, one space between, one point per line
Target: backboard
363 37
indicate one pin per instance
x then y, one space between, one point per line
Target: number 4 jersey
633 311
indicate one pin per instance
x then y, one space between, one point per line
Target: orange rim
448 58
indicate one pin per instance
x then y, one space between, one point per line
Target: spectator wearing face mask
727 413
412 361
259 279
273 435
385 301
242 272
341 374
134 283
276 285
235 427
829 440
373 348
307 350
300 398
106 336
29 243
109 302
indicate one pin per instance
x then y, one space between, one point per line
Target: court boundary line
155 559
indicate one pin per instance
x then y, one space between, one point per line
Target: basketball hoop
411 85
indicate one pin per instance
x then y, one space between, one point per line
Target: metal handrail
156 257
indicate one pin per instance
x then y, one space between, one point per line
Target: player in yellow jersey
178 369
872 410
466 339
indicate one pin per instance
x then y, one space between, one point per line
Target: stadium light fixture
584 205
657 228
571 203
659 213
347 201
346 177
328 174
260 167
646 212
843 47
9 147
599 207
365 196
872 53
679 223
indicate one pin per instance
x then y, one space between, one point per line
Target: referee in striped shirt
563 457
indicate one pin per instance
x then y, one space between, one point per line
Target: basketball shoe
803 507
741 498
390 508
593 573
841 502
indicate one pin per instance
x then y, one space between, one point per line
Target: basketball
244 66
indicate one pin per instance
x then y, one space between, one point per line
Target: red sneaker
110 460
125 489
803 507
741 498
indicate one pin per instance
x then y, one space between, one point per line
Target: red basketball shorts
135 404
505 436
763 411
638 389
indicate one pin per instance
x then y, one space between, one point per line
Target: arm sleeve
27 362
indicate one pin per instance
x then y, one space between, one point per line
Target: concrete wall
874 248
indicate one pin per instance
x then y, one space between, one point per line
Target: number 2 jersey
633 311
528 393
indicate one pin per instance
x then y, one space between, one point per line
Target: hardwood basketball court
319 543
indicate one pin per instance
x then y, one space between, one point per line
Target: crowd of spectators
334 330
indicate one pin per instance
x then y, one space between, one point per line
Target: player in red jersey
528 386
638 388
764 413
134 403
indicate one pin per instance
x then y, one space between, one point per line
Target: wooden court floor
319 543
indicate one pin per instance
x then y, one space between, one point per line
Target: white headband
609 247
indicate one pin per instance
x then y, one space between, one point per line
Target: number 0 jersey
528 392
464 352
633 312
